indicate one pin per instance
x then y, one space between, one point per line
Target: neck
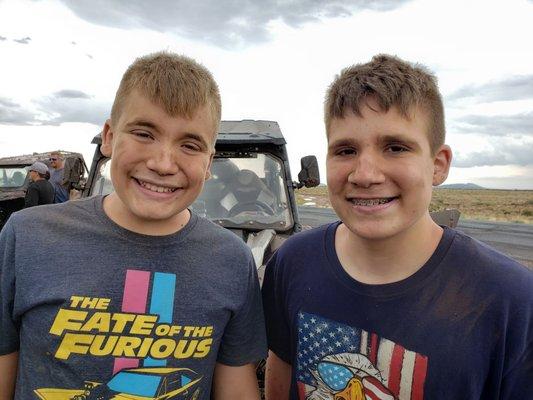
119 214
390 259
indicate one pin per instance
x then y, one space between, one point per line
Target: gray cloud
58 110
499 125
513 88
223 23
25 40
503 153
13 114
68 106
3 38
71 94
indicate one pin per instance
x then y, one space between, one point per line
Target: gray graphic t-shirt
118 313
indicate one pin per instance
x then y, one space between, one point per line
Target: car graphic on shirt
158 383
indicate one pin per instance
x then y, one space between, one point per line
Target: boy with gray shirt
149 299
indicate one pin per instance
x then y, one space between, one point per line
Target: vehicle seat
18 178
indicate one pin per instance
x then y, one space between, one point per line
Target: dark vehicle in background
14 178
251 191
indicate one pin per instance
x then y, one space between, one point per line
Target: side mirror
309 176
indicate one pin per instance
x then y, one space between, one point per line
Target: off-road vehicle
251 191
14 178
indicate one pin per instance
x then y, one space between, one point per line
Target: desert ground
481 204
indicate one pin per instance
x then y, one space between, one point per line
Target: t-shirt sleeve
9 328
277 327
518 382
244 339
32 197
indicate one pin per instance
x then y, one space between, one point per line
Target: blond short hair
391 82
175 82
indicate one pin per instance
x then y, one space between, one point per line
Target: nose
367 170
163 160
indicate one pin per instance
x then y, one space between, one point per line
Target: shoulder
491 269
307 242
221 241
48 214
303 252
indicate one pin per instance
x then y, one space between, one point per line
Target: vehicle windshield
243 192
246 192
135 384
12 177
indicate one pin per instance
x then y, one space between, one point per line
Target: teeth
371 202
155 188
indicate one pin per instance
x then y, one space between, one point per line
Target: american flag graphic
333 357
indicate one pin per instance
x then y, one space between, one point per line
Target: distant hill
460 186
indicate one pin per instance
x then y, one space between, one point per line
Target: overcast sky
61 62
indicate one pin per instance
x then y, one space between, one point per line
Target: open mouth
372 202
156 188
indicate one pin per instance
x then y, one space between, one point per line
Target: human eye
345 151
143 135
397 148
191 146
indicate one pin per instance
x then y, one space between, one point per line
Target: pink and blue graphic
135 300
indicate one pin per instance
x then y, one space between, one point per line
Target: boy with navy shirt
386 304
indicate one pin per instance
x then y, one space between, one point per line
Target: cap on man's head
39 167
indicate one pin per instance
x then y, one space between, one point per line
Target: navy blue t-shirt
461 327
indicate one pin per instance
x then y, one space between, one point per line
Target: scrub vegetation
483 204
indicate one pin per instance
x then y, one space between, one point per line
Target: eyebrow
142 122
399 138
341 142
389 138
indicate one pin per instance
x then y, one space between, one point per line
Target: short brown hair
391 82
176 82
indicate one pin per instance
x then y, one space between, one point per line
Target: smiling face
380 172
158 165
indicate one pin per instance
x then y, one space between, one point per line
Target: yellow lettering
103 345
145 347
143 324
99 321
89 302
103 304
126 346
120 321
162 348
162 330
67 320
209 331
75 301
188 330
73 343
185 348
174 330
203 348
199 331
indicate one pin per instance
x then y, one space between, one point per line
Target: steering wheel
255 205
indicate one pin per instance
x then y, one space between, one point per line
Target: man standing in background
40 191
56 177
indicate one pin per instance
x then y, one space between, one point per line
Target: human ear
441 164
208 170
107 139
